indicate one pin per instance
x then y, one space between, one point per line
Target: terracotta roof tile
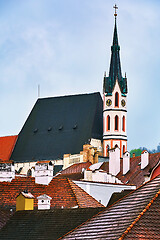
115 220
60 190
75 171
147 224
136 176
83 198
6 147
76 168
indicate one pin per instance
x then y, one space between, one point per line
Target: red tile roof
147 224
75 171
6 147
76 168
138 213
136 175
64 193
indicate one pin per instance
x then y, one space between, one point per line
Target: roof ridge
131 192
85 193
69 181
139 216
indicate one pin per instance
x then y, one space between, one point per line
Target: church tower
115 101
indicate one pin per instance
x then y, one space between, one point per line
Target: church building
63 125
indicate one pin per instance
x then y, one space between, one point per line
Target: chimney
126 162
7 172
44 202
24 201
144 159
43 172
133 154
114 161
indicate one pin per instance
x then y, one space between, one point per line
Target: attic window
75 126
139 163
127 182
61 127
35 130
49 129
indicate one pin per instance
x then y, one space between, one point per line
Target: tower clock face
108 102
123 103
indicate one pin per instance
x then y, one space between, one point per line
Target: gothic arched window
124 149
108 123
116 122
123 124
116 99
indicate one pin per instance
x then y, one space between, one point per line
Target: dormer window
61 127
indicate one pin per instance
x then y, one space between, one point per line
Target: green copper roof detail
115 68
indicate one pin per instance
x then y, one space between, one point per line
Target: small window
107 150
124 150
123 124
108 123
116 99
42 201
116 122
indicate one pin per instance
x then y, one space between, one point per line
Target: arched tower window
123 124
107 150
116 122
116 99
124 149
108 123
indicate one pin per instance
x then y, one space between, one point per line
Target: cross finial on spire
115 13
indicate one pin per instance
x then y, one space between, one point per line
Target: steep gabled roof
63 192
114 221
59 125
6 147
45 224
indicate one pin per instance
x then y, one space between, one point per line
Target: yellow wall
23 203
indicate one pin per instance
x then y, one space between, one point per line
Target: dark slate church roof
59 125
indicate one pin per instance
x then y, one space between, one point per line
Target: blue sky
64 45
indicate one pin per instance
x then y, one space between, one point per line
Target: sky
65 47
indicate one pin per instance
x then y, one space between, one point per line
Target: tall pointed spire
115 65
